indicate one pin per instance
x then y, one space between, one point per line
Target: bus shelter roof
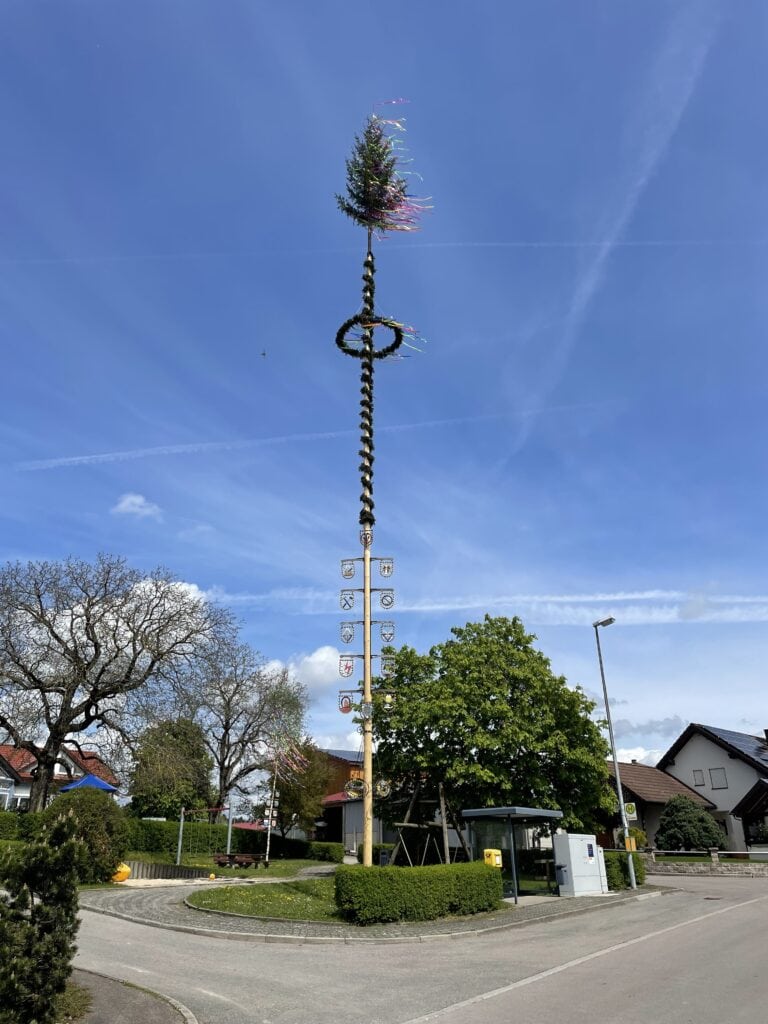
512 813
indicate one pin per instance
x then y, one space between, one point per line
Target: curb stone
183 1010
291 939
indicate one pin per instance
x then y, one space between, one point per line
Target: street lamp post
625 827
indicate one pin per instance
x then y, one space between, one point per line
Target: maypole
378 200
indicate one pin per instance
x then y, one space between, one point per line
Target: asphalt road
695 956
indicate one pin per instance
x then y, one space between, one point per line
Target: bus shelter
491 826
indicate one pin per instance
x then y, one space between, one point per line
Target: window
717 778
698 776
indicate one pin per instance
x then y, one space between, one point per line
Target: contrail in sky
205 447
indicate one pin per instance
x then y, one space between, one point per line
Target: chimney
766 735
634 759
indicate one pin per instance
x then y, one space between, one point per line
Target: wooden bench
240 860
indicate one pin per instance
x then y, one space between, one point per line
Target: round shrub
99 826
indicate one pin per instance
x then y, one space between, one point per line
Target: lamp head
604 622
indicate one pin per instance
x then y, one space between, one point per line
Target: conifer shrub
368 896
38 924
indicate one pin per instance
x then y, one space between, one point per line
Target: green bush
378 849
28 827
38 924
365 896
100 827
685 825
326 851
9 824
617 869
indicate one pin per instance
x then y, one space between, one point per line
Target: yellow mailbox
492 858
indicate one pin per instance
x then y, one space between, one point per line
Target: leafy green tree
38 924
172 770
685 825
303 775
100 828
484 714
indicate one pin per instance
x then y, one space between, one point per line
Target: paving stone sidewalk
164 907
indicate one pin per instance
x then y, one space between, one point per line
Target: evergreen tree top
377 191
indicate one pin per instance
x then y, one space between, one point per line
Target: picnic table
240 860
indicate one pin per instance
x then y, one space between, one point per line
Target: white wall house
721 765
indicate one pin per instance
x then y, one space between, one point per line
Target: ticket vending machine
579 865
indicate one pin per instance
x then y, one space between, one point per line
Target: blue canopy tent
89 782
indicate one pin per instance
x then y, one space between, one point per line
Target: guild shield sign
386 598
347 632
345 703
347 568
347 600
346 667
387 632
366 538
386 566
387 666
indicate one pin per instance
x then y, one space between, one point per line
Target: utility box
492 858
579 866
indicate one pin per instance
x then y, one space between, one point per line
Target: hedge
326 851
9 825
367 896
617 869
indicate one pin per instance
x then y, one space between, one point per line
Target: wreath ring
367 322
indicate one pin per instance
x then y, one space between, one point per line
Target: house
17 767
342 811
724 767
649 789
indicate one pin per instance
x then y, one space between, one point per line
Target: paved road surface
695 956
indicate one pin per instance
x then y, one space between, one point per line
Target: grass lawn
277 868
310 900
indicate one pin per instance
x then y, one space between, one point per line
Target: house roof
751 749
351 756
753 804
654 786
88 761
337 798
7 769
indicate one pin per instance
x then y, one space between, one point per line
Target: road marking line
217 995
578 961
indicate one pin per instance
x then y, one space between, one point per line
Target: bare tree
245 707
77 638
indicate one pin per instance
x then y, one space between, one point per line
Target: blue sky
585 432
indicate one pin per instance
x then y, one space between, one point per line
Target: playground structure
211 813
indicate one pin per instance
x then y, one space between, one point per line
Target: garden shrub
38 924
9 821
617 869
685 825
365 896
100 827
326 851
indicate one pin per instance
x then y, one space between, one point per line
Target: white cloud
643 755
131 504
317 671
